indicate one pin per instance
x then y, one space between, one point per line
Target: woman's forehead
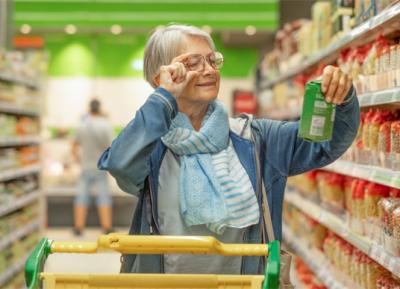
195 45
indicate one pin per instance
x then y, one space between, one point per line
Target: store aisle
81 263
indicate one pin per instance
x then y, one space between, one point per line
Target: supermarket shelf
318 264
373 174
387 21
380 97
337 225
20 172
18 203
17 141
5 77
15 268
16 235
11 108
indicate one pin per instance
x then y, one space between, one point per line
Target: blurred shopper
94 134
194 169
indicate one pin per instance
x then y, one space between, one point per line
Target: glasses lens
216 60
195 62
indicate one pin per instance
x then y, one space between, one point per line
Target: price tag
383 97
380 176
396 96
366 99
361 172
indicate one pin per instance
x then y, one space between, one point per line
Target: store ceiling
142 15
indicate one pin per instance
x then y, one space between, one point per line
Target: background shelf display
364 33
17 203
17 267
18 141
11 238
11 108
387 96
18 80
338 225
318 263
21 208
19 172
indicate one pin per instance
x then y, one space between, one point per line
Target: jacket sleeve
291 155
128 158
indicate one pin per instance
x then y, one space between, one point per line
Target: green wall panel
70 56
122 56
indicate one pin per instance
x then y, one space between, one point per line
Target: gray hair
163 46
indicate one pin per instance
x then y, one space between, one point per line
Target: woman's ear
156 80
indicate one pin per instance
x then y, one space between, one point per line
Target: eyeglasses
196 62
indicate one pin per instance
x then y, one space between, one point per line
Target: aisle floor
81 263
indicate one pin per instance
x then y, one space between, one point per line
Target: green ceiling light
70 29
250 30
25 29
116 29
207 28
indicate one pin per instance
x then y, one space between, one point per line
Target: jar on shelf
375 123
333 194
395 137
373 193
366 128
384 137
348 188
396 223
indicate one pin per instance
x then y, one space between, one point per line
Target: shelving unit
29 198
339 226
387 96
316 261
373 174
18 141
11 108
17 267
18 203
362 34
18 172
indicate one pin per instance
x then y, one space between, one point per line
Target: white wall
67 98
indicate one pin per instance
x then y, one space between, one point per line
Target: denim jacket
135 156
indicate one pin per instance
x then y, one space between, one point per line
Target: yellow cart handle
139 244
160 245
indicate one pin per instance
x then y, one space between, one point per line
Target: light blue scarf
215 190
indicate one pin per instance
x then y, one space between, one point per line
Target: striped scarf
215 189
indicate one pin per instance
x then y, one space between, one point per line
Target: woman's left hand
335 84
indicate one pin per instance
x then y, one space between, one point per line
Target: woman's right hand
175 77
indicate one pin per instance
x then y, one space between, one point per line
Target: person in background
194 169
94 134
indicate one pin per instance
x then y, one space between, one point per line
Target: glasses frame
218 55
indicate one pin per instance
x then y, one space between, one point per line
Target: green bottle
318 116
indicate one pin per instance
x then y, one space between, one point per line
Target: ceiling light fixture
70 29
25 29
207 29
250 30
116 29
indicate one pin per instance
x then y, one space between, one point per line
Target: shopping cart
139 244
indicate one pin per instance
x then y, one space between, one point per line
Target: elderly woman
194 169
